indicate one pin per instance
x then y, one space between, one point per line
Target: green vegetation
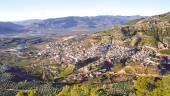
90 89
67 71
152 86
24 63
31 92
79 90
165 16
148 41
132 22
166 51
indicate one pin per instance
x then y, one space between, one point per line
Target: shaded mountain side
8 27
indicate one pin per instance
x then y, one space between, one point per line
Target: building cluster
73 51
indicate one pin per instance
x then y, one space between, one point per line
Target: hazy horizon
17 10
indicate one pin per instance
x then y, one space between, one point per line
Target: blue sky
13 10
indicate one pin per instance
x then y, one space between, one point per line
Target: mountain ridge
70 24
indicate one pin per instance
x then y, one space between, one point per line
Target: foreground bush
152 86
79 90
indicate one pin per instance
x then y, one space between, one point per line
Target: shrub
152 86
79 90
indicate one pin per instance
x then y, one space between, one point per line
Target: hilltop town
105 63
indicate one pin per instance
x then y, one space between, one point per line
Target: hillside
153 31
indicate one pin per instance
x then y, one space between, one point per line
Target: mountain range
70 24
